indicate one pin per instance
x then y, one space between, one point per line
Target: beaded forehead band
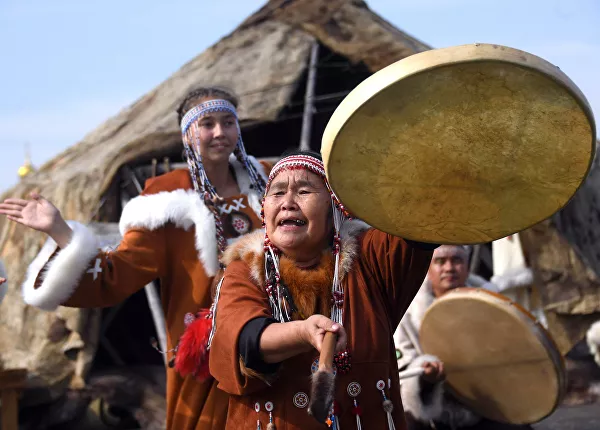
280 300
191 143
202 109
306 162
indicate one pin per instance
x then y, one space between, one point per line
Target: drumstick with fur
418 371
323 381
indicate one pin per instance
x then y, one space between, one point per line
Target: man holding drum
425 402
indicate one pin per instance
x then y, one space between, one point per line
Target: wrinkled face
448 269
298 214
218 134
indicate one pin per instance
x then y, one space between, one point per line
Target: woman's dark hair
194 96
295 151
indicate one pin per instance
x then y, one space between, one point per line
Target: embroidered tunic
381 275
168 234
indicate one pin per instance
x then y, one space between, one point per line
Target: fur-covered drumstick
323 381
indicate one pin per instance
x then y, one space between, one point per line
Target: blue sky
66 66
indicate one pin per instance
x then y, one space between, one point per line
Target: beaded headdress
279 298
191 142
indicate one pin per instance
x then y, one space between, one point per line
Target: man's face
448 269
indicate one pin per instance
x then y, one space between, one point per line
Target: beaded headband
280 299
191 143
308 163
202 109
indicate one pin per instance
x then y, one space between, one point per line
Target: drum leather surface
498 360
460 145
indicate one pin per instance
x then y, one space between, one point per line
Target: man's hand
434 371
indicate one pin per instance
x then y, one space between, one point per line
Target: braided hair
194 158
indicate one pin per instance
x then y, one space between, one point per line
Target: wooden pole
11 381
309 98
154 302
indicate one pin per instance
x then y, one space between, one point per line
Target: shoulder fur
250 249
171 198
593 341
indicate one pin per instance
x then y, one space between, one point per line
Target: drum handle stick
417 371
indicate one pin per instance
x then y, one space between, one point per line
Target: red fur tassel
192 352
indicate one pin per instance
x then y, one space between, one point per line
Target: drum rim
539 331
465 55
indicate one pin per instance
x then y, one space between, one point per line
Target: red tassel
336 408
192 352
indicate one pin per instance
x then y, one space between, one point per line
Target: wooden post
11 381
309 98
152 295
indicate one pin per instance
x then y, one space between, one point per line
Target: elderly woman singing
311 271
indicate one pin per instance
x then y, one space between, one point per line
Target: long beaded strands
202 185
280 300
341 360
388 406
191 353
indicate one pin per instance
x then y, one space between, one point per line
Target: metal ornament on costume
191 142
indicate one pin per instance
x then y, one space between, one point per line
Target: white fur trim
474 280
410 390
185 209
513 278
62 275
593 340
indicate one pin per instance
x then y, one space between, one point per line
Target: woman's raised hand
315 328
38 214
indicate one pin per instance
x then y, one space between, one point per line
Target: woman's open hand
38 214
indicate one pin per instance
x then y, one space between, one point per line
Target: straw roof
263 61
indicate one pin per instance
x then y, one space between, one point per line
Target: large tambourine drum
500 362
460 145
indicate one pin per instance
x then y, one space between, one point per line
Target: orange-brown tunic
168 234
381 275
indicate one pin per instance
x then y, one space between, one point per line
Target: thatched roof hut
265 62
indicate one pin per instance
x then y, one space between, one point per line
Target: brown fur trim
249 373
253 243
310 288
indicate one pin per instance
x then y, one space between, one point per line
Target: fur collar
185 209
310 288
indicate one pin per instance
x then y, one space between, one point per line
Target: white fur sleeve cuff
411 394
515 278
593 341
60 276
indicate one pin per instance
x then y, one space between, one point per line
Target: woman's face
298 214
218 135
